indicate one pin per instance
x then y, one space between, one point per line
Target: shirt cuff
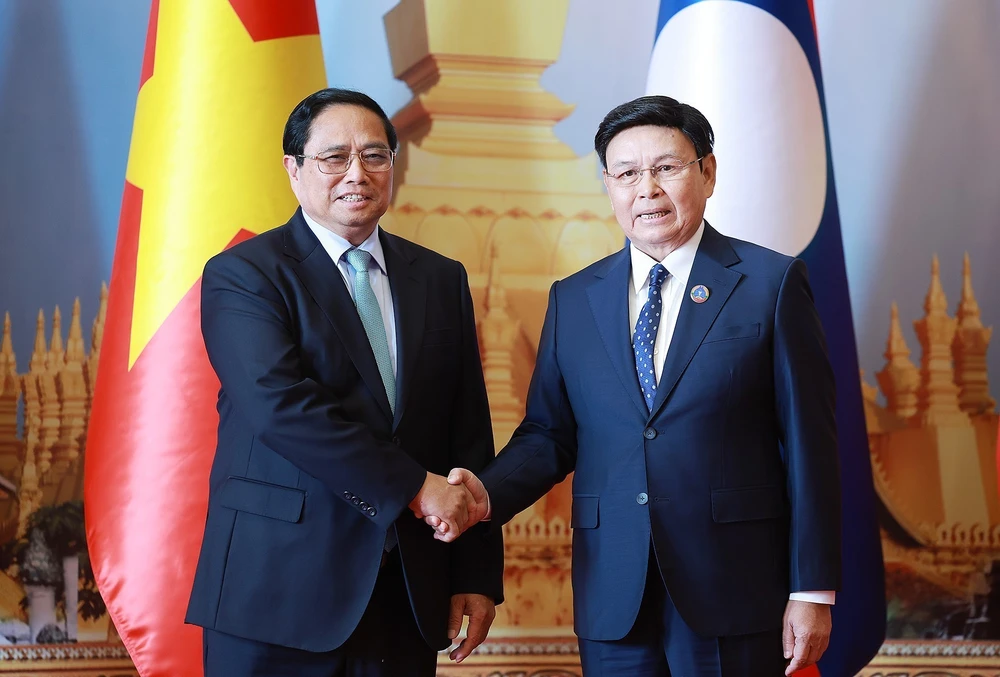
815 596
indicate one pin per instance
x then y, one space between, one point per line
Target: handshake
451 504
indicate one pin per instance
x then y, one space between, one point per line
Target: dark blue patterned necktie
645 334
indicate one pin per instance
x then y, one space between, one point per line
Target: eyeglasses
667 172
373 160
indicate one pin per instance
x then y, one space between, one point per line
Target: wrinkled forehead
346 126
647 143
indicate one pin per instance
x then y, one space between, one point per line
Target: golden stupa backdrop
483 177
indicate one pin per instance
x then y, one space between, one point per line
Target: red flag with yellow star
219 78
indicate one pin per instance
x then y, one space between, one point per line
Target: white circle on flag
747 73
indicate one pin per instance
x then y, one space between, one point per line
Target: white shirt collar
678 262
336 246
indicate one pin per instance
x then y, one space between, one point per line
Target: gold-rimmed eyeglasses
665 172
337 162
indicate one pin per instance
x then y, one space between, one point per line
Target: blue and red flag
752 67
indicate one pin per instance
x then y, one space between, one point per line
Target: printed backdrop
874 156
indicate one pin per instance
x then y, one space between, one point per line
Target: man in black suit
351 382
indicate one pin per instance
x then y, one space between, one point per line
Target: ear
708 170
292 167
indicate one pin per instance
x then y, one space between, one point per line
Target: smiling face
348 204
658 216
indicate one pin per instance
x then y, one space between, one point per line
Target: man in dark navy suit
685 380
351 383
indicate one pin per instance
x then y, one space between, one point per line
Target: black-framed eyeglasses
337 162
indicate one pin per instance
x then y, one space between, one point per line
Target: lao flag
753 69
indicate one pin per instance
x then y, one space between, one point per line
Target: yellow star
206 146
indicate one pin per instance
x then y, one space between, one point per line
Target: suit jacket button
356 501
364 506
348 495
642 499
649 433
395 440
372 512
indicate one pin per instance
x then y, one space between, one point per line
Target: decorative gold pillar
40 396
29 493
498 332
938 394
900 378
482 178
479 163
947 428
9 394
969 351
73 392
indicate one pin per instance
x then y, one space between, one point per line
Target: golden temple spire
899 379
936 303
8 362
74 344
37 363
57 355
496 296
938 394
969 348
968 307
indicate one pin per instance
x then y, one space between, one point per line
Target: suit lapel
409 302
711 268
322 279
608 296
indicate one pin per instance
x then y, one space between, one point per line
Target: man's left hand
481 611
479 509
805 633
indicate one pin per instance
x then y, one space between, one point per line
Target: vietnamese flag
219 79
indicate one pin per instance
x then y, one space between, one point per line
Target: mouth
353 197
653 215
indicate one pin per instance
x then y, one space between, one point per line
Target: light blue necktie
371 318
645 334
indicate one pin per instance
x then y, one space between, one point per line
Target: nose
356 172
647 186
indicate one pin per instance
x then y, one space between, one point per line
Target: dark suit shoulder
599 268
257 250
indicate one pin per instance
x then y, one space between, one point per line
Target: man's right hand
449 505
479 509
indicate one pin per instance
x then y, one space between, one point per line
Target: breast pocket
732 333
262 498
440 337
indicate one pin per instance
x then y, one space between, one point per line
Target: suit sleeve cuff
815 596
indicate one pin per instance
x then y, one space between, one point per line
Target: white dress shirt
678 263
337 247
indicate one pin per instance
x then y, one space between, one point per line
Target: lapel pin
699 293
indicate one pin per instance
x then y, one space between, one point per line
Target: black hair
659 111
299 123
